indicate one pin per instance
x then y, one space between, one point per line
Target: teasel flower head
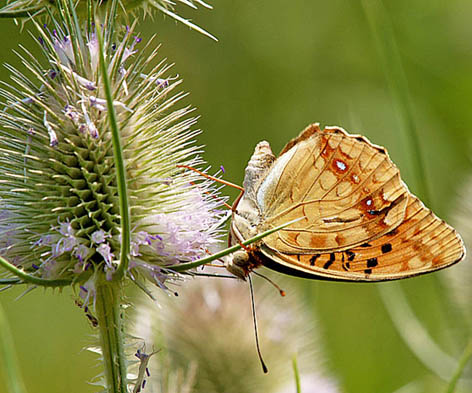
60 217
221 310
24 9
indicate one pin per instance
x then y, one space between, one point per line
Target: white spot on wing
341 165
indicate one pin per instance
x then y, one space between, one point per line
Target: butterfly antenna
264 367
226 183
281 291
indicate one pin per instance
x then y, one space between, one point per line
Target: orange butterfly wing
360 222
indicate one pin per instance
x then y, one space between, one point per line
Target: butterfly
357 220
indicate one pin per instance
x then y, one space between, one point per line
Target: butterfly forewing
420 244
347 190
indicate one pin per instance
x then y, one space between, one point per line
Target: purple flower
105 251
99 236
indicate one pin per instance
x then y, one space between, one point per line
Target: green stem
190 265
467 354
119 163
109 293
382 31
297 374
29 279
108 313
12 376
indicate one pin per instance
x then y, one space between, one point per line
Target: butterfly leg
249 248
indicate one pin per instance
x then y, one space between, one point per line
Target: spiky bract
83 8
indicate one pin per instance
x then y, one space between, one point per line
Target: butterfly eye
240 258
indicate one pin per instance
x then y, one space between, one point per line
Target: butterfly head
238 264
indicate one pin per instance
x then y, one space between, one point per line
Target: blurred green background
278 66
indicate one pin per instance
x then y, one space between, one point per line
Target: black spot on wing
332 258
387 247
372 262
313 259
350 255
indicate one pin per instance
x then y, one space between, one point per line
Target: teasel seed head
220 340
60 216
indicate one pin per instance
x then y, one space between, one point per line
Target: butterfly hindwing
420 244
